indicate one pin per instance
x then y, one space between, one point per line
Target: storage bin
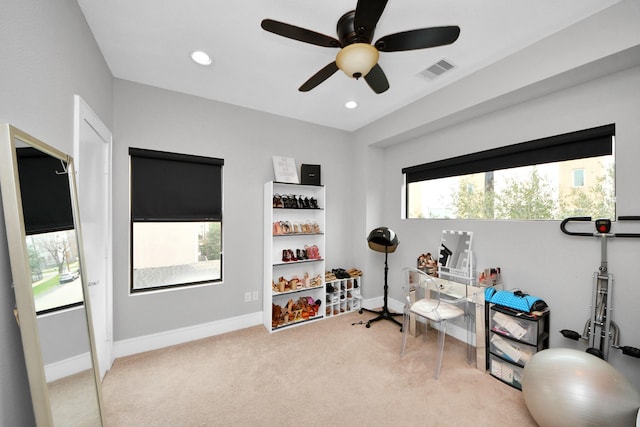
510 350
506 372
519 326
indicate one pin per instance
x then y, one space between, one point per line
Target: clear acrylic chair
428 304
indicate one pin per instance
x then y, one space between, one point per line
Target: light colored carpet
327 373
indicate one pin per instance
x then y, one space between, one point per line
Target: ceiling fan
357 56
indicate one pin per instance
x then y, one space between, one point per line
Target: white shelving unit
297 229
343 296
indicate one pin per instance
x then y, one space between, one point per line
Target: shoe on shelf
341 273
354 272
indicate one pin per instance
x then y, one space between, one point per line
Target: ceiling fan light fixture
357 59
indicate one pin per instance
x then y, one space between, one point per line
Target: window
531 180
176 219
578 177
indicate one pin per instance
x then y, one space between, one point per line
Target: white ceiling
149 42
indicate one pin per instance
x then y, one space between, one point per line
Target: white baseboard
144 343
178 336
141 344
64 368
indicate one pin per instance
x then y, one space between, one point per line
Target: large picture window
534 180
176 219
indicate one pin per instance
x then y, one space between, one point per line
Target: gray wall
535 255
581 77
147 117
47 55
15 397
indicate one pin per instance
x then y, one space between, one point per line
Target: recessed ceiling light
200 57
351 105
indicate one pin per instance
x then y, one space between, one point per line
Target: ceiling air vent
437 69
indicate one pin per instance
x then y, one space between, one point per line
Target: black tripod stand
378 239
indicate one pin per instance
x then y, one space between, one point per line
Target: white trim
84 113
64 368
159 340
373 303
178 336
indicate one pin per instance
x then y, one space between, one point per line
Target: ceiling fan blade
297 33
319 77
418 39
367 15
377 80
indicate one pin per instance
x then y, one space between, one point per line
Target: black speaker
310 174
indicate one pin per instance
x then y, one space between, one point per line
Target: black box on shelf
310 174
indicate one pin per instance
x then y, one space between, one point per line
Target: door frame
84 113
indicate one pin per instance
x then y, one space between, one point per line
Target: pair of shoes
354 272
282 227
289 201
312 252
316 281
287 255
307 203
281 285
341 273
277 228
294 202
329 276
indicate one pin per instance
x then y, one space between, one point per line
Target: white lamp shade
356 60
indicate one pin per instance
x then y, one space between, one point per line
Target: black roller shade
575 145
175 187
44 188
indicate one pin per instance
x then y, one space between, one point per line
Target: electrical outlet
255 295
247 296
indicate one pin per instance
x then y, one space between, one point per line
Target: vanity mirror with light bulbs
53 312
455 260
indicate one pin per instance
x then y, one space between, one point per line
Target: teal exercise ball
566 387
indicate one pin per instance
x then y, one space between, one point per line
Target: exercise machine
600 330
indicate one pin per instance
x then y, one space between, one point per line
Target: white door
92 156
